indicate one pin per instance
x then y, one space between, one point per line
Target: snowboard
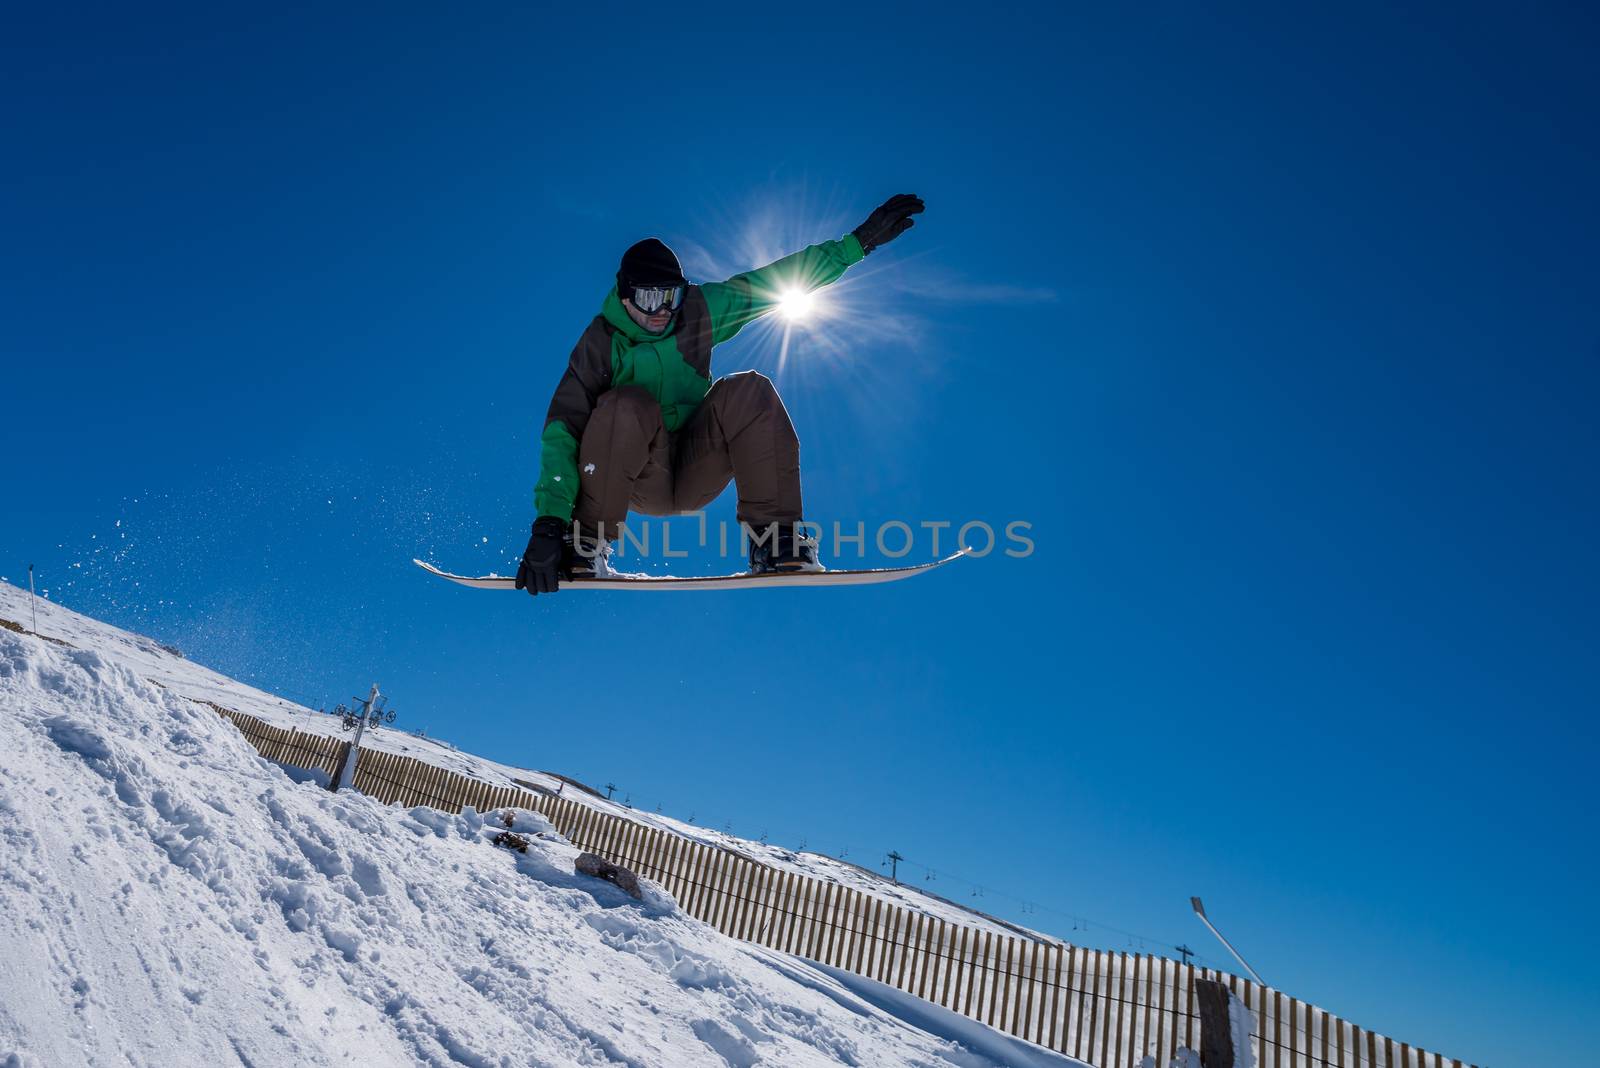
741 581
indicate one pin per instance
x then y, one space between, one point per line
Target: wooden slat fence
1105 1007
281 745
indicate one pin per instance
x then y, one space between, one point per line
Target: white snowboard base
742 581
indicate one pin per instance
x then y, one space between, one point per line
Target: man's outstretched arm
746 297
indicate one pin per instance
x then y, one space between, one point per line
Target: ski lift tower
373 712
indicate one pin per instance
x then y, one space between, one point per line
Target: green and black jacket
675 366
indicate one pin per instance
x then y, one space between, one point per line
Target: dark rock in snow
511 841
600 868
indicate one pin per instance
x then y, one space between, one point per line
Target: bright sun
796 305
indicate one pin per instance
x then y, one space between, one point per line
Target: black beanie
649 263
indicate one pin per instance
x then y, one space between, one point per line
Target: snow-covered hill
167 897
168 668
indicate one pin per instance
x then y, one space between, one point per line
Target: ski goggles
650 299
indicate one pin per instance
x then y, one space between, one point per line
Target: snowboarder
637 422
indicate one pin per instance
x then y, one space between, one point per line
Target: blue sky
1279 328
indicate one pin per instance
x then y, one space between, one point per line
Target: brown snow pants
741 431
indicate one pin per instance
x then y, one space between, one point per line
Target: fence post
338 769
1216 1027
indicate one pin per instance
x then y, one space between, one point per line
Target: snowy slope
153 662
167 897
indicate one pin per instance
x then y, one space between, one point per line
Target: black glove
889 221
541 563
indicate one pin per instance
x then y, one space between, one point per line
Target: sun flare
797 305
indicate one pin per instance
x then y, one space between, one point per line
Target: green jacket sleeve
744 298
588 375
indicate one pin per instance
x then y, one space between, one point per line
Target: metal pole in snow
33 602
1200 911
349 775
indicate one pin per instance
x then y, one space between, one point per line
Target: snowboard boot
583 555
788 549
